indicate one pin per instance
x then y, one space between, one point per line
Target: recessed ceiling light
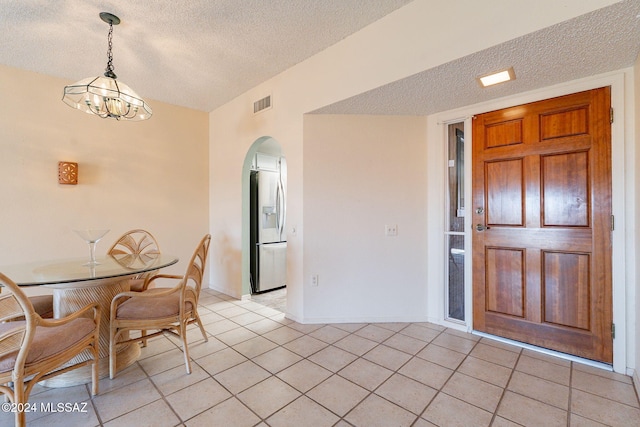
498 77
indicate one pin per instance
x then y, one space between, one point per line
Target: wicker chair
36 349
140 243
160 309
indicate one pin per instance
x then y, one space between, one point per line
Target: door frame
623 247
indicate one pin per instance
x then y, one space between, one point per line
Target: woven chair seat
47 342
136 308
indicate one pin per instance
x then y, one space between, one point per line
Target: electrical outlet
314 280
391 230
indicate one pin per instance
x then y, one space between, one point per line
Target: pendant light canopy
104 96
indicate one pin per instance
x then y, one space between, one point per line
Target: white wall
151 174
362 173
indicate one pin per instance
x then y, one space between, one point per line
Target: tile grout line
440 390
378 343
370 392
306 331
569 412
505 389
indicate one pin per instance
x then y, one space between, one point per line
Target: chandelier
104 96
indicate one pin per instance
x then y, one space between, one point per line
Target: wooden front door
542 189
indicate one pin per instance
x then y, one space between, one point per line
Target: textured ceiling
203 53
604 40
194 53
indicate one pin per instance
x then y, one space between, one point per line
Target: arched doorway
264 245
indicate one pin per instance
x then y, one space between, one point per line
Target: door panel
542 186
504 192
565 189
564 123
566 289
503 133
505 281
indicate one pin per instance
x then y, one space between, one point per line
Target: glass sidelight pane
455 222
456 177
456 277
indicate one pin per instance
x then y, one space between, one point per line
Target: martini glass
91 236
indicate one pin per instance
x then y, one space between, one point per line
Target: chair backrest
195 271
135 242
15 336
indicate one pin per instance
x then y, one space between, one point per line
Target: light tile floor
260 369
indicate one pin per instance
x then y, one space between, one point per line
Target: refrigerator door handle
280 201
284 207
278 213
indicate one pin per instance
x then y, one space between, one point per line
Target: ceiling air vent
262 104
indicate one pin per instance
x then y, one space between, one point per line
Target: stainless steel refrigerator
268 237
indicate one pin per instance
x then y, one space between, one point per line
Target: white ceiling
203 53
194 53
604 40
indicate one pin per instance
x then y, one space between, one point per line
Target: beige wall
151 174
364 173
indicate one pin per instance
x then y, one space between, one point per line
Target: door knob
481 227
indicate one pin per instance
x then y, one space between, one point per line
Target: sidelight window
454 232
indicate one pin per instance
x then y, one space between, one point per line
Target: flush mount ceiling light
498 77
104 96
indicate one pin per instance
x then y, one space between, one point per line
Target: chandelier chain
109 68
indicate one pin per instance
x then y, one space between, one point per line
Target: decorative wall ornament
67 173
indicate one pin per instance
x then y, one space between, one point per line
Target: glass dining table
75 284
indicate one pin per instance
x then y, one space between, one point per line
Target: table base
68 299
